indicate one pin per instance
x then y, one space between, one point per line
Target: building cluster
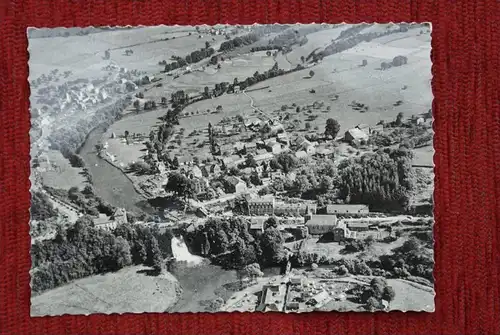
304 214
297 293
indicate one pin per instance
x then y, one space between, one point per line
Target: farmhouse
235 185
347 209
321 224
355 136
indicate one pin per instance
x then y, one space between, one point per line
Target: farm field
128 290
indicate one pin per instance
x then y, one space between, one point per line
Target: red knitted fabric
465 55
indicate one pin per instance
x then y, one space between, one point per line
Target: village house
256 227
301 154
250 147
200 185
377 129
273 298
355 136
184 160
202 212
364 128
261 206
283 138
324 152
120 216
347 209
104 222
321 224
235 185
319 299
273 146
194 172
294 209
264 157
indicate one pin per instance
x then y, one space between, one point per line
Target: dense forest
84 250
383 180
228 242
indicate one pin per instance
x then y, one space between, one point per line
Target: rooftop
357 133
322 220
346 208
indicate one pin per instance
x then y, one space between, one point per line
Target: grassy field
411 296
59 173
127 290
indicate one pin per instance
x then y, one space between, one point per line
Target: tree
180 185
302 59
311 73
399 119
332 128
253 271
271 245
207 44
255 179
126 134
389 294
364 62
250 161
271 223
137 105
308 125
268 53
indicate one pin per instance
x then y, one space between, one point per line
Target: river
109 182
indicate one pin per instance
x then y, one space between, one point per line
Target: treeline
238 41
193 57
383 180
83 250
228 242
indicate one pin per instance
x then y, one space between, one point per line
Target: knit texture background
465 55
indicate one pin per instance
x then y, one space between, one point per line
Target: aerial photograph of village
229 168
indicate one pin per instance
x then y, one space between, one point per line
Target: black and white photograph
231 168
